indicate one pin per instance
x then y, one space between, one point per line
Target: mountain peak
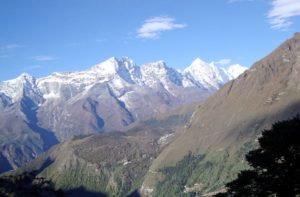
107 67
233 117
200 66
198 62
111 65
25 75
155 66
15 88
236 69
206 74
23 78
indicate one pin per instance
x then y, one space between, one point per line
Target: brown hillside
266 93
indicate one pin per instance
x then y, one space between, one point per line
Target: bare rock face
107 97
113 163
204 155
236 114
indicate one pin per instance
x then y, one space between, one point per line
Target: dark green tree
275 165
27 185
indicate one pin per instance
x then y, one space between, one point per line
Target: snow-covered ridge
15 88
205 74
120 74
235 70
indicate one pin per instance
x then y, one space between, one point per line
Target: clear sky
44 36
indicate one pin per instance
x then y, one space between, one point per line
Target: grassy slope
266 93
209 171
112 163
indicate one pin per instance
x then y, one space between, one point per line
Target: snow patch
164 139
236 70
51 95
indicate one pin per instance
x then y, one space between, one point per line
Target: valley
78 118
192 150
110 96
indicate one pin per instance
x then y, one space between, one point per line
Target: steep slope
204 75
111 163
109 96
21 139
236 70
224 127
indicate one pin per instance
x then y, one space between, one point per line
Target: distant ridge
39 112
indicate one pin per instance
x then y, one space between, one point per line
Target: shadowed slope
114 163
222 125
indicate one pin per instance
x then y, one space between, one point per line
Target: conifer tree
275 165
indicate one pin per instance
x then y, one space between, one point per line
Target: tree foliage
275 165
177 177
27 185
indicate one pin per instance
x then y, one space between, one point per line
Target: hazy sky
43 36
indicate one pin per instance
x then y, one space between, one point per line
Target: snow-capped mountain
205 75
107 97
209 76
15 89
119 74
112 94
235 70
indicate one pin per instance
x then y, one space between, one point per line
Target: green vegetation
112 164
27 185
177 176
170 121
202 173
114 180
275 165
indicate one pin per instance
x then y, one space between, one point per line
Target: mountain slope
206 75
21 138
109 96
226 125
113 163
235 70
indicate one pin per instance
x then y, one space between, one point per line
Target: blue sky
44 36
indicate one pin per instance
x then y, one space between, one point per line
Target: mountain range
211 149
193 150
110 96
